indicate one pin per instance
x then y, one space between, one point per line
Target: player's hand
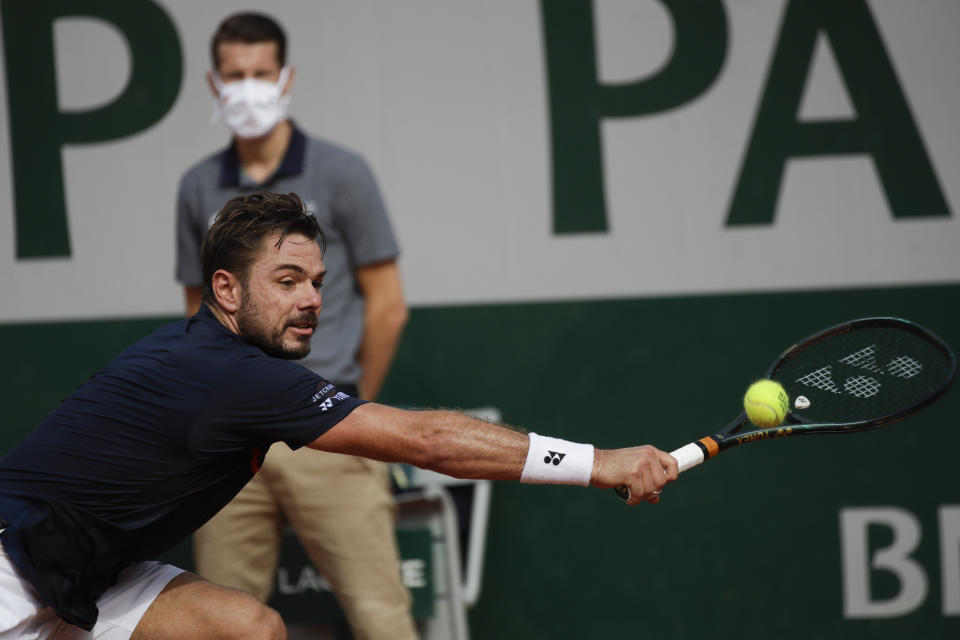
644 470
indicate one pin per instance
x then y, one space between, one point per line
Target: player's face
281 296
239 61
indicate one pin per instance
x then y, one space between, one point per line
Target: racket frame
732 435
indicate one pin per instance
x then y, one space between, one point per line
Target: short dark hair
249 28
234 239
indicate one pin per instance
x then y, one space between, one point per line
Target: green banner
834 537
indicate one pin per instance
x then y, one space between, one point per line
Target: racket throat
709 446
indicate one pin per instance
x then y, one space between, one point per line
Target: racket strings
866 358
904 367
821 379
861 386
865 374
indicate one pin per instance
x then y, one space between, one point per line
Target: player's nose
311 299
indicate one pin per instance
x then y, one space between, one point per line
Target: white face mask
251 107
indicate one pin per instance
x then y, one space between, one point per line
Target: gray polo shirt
337 185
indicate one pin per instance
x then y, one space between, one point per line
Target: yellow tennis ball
766 403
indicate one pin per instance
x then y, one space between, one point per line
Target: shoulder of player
257 383
218 377
254 372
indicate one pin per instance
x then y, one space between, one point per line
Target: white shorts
23 615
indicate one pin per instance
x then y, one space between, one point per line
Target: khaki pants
342 511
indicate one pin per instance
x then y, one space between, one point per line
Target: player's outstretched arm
460 446
444 441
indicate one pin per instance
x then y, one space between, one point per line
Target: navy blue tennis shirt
146 451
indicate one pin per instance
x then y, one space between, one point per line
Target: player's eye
318 284
287 283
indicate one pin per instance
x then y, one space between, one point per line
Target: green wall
746 545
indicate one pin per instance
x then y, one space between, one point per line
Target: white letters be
905 527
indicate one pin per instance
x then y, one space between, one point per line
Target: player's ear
226 290
290 73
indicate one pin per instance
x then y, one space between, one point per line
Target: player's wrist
596 474
555 461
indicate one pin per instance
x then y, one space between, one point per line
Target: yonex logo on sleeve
555 457
329 403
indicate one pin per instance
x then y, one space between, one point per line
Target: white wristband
555 461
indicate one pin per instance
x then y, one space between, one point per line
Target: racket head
863 374
881 370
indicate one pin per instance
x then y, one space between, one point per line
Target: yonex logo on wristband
544 455
555 457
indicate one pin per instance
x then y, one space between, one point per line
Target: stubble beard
253 331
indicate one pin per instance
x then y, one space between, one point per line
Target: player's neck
229 320
260 157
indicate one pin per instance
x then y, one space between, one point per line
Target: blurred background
613 215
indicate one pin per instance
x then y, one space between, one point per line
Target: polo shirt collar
205 320
203 315
291 165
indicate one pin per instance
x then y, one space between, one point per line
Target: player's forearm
444 441
457 445
464 447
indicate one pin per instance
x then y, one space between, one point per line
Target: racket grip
687 457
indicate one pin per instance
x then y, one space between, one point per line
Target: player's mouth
303 327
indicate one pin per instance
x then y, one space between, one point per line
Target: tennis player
169 431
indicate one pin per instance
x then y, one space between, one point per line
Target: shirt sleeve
270 400
359 211
189 270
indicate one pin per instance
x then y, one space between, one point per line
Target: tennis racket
855 376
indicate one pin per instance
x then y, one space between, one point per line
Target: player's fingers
639 487
635 498
658 476
653 480
637 492
647 476
671 467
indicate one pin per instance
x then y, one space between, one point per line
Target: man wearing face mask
340 506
